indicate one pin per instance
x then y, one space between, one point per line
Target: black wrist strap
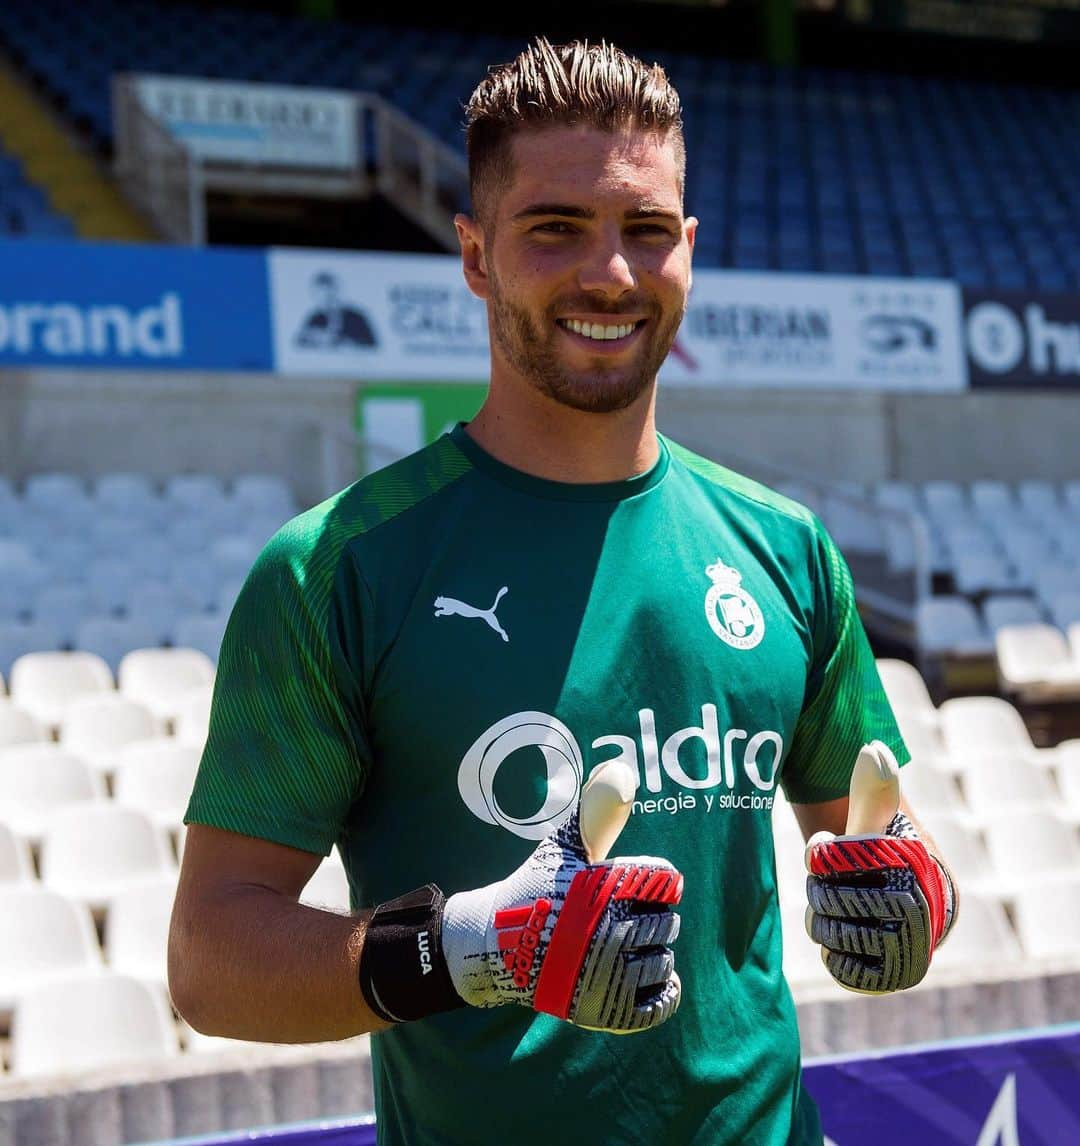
403 972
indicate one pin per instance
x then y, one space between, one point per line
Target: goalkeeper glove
568 933
879 902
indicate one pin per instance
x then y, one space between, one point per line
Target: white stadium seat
929 788
1026 846
945 500
43 936
18 638
96 728
46 683
329 886
194 491
974 727
998 783
158 678
264 493
16 866
1035 661
136 942
91 1023
156 777
36 780
977 573
1072 635
127 493
1048 919
991 498
90 853
1064 608
112 638
897 495
48 490
17 726
1038 498
981 937
1068 776
193 716
962 850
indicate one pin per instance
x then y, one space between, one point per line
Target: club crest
733 615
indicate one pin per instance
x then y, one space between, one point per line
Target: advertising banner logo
118 305
375 316
825 331
255 123
1020 339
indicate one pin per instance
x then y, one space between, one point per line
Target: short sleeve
845 705
287 751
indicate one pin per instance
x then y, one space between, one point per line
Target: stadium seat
110 581
975 727
264 493
950 626
1008 609
158 678
127 493
35 780
192 719
1068 777
963 850
43 936
96 728
329 886
112 638
1064 609
197 585
136 942
89 1023
154 606
17 726
45 684
1048 920
1035 662
906 689
991 498
997 783
929 788
156 777
202 631
16 866
92 852
975 574
981 937
194 492
64 607
1028 846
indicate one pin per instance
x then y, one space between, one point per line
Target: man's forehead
558 164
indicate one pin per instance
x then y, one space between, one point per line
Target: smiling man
431 668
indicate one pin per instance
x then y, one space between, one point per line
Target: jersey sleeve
845 705
287 751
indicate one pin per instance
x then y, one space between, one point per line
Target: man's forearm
259 966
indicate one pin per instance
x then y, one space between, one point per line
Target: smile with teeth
597 331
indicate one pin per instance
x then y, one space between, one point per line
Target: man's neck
539 436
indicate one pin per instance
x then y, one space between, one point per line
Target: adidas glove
568 933
879 902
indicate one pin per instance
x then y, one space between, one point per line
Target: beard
531 349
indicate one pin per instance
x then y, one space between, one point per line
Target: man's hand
569 933
880 903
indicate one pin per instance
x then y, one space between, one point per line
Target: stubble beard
601 390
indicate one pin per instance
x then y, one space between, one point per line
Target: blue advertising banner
991 1092
126 306
1004 1091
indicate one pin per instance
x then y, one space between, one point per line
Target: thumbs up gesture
879 902
570 932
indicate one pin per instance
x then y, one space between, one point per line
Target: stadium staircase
73 181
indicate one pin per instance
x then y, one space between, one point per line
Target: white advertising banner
374 316
752 330
403 317
255 123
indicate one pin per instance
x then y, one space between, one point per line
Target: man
333 323
425 668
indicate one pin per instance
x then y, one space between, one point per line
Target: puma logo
450 606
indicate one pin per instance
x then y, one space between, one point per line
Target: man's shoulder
316 537
742 488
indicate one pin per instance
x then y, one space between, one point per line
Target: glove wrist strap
403 972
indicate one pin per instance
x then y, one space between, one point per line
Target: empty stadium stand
799 170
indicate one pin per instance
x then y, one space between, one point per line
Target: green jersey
424 668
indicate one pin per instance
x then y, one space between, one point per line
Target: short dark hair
598 85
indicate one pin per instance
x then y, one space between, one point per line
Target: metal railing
400 159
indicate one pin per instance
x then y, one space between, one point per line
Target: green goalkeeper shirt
423 669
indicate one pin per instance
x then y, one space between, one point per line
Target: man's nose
607 270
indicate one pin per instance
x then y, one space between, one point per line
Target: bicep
217 862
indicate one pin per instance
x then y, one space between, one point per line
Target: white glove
568 933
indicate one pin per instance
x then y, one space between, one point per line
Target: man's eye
555 227
650 229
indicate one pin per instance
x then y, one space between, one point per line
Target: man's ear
690 226
473 260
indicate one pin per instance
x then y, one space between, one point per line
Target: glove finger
651 968
843 937
842 901
855 972
657 929
658 1007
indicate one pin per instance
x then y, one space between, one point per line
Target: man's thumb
606 800
874 797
